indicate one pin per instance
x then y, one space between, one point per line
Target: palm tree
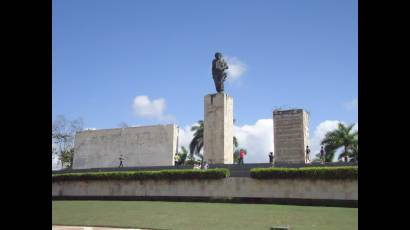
235 142
354 156
341 137
236 156
197 142
329 154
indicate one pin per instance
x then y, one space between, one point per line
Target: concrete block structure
291 135
139 146
218 129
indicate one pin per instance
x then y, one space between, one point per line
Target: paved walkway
59 227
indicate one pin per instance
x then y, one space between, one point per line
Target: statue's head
218 55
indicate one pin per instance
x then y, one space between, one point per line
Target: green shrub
145 175
344 172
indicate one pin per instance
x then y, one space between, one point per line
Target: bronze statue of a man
218 72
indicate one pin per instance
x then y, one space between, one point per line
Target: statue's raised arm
218 72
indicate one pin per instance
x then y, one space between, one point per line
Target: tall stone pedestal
218 129
290 136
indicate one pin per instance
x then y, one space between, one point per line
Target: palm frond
341 137
235 142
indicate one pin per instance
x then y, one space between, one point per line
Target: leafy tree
182 156
63 134
66 158
191 160
343 137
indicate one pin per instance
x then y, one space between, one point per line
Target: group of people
322 155
204 165
242 154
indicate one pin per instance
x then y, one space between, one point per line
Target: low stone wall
232 187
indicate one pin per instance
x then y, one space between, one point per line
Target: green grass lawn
195 215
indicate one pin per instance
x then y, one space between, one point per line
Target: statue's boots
219 85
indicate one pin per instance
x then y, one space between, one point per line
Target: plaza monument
290 131
157 145
218 118
137 146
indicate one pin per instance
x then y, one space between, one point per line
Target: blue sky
298 54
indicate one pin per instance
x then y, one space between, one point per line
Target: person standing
176 160
242 154
121 159
271 158
322 154
307 154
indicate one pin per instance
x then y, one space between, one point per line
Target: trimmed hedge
343 172
145 175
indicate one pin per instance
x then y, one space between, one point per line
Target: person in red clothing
242 154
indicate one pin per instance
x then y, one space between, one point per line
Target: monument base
218 129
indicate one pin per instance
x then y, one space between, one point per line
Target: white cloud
236 68
257 139
319 134
152 109
185 136
351 105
